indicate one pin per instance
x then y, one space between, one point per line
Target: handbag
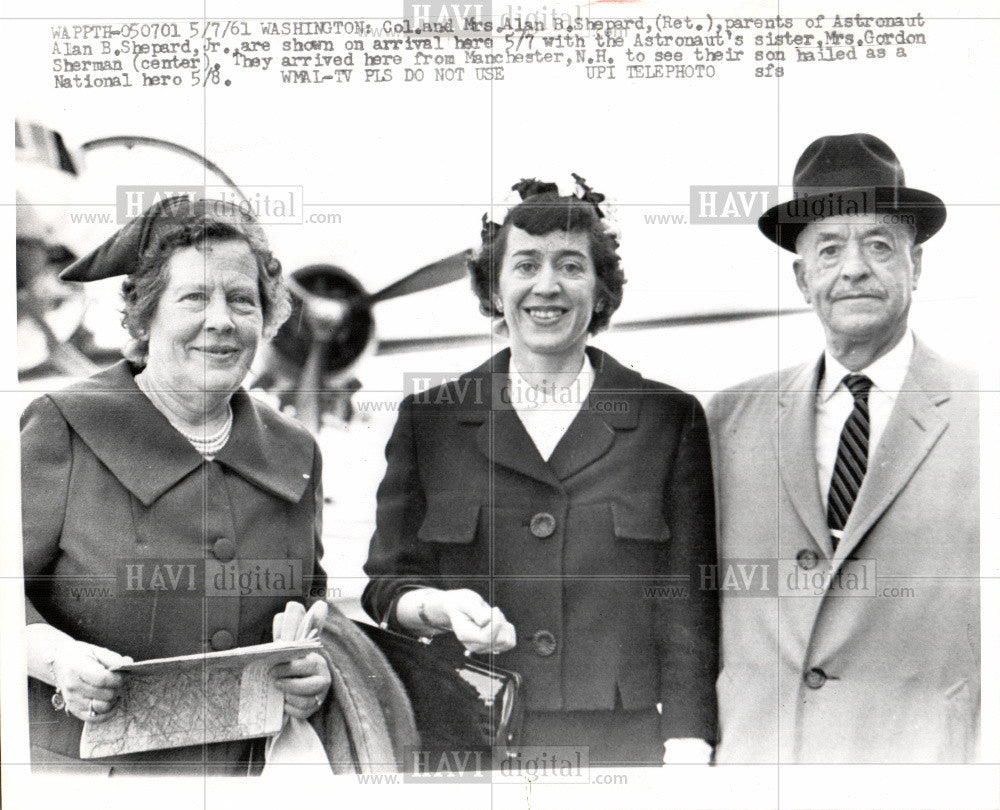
459 703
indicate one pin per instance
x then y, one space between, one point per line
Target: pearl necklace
207 446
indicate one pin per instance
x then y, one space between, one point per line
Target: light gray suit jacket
871 653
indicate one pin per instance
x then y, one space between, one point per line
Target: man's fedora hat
850 174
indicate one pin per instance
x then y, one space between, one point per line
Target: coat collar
591 434
148 456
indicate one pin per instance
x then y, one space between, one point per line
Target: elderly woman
147 481
554 509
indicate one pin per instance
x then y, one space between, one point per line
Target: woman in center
553 508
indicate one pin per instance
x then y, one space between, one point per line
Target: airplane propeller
332 326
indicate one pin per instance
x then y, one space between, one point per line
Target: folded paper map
195 699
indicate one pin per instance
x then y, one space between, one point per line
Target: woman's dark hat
850 174
120 255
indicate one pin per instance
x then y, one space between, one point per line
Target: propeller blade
401 345
443 271
307 394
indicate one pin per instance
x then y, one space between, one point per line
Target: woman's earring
498 305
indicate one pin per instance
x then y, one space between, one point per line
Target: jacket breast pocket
641 537
453 523
449 530
639 521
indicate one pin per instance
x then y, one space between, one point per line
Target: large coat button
224 549
543 525
807 559
815 678
222 640
543 643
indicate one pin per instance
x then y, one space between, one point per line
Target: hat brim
783 223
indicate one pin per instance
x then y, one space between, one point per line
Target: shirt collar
886 373
582 383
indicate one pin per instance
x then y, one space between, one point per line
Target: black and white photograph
501 405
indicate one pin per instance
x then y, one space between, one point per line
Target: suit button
224 549
543 643
807 558
222 640
815 678
543 525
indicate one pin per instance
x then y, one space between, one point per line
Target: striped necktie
852 457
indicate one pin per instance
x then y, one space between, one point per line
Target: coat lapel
795 446
127 433
506 443
587 439
501 436
592 433
267 450
914 427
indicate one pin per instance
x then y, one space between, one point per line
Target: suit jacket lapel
795 445
587 439
914 426
501 437
592 433
506 443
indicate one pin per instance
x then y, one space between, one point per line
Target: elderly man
852 484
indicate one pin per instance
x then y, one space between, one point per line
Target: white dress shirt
547 404
834 403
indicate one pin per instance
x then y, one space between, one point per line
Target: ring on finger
59 702
90 709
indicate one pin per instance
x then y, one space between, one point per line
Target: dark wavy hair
542 210
142 289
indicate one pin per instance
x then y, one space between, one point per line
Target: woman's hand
305 683
480 628
83 676
307 680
